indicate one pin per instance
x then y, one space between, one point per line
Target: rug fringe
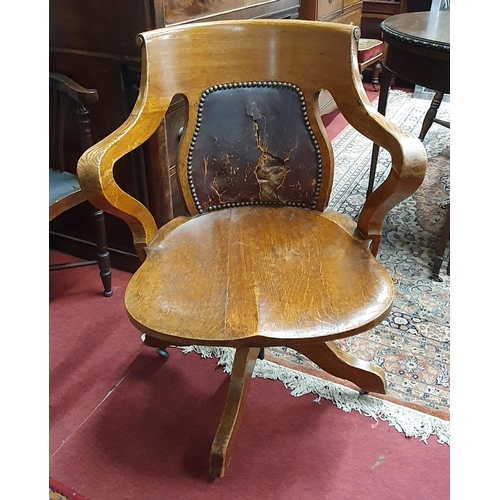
412 423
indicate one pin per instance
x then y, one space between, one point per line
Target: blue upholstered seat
61 184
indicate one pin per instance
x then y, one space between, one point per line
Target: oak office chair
69 120
258 263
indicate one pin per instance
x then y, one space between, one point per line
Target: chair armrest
409 164
69 87
95 174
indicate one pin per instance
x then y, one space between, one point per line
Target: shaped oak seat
259 276
259 262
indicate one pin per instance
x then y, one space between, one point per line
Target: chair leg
431 114
103 259
375 76
243 365
443 241
367 376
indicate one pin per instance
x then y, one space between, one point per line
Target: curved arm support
409 163
95 173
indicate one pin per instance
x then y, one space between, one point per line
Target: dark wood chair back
69 121
69 132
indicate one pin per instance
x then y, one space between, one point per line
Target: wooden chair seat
242 267
64 192
369 49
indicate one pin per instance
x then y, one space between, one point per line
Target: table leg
385 82
443 241
431 114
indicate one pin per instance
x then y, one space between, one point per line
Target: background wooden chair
69 121
259 262
371 53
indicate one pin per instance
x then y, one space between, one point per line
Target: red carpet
335 123
59 491
125 424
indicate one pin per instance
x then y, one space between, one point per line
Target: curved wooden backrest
244 62
254 84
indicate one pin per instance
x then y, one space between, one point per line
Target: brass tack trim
257 84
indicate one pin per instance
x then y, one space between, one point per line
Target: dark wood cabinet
93 42
375 11
338 11
331 11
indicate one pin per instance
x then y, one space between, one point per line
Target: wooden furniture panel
351 16
339 11
100 27
94 42
182 10
327 7
335 11
179 11
375 11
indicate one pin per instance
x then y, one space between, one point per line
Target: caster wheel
163 353
363 393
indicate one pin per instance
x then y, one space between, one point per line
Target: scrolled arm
95 174
409 164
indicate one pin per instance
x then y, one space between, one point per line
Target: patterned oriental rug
413 344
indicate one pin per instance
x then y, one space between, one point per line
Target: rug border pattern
411 422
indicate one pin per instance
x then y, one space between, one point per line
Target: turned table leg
443 241
385 83
431 114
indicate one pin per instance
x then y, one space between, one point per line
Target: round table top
428 29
